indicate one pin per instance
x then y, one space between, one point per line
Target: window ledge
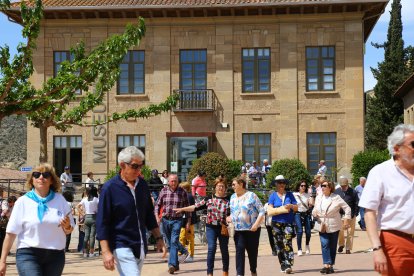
322 93
129 96
255 94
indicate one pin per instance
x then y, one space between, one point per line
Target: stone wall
13 145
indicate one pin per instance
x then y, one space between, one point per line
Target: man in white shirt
322 168
66 179
388 199
359 189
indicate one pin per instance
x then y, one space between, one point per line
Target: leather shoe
171 269
341 249
348 251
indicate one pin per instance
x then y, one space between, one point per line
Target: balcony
195 100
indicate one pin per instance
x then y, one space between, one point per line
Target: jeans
246 241
90 232
362 221
213 233
172 230
126 263
328 245
40 262
81 238
302 220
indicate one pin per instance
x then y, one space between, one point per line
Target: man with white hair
125 212
388 199
359 189
346 235
322 168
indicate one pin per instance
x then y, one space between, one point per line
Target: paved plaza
357 263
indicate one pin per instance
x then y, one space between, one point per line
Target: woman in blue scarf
40 220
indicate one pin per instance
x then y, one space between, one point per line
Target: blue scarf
41 202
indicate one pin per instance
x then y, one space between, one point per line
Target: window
322 146
256 70
130 140
256 146
67 151
58 58
132 76
320 68
193 69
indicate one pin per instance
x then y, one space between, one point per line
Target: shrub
234 168
145 171
364 161
291 169
214 165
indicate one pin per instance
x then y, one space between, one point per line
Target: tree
56 104
384 111
364 161
292 169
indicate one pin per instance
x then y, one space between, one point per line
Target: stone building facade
255 63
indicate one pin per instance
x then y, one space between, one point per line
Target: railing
13 186
195 100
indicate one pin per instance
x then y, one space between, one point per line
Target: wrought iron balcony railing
195 100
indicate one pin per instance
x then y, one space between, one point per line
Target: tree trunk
43 144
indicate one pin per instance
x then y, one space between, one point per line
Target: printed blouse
244 210
217 209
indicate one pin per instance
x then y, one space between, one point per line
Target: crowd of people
124 213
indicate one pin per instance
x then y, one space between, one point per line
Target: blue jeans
328 244
40 262
302 220
213 233
126 263
246 241
172 230
362 214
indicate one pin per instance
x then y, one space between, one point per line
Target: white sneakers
189 259
307 252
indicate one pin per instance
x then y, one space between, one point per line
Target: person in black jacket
350 196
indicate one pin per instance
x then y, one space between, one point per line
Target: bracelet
158 238
377 248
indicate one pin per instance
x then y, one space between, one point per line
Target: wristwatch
377 248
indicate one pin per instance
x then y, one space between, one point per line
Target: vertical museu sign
99 134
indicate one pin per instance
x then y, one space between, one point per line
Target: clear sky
10 34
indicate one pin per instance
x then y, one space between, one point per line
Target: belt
171 218
401 234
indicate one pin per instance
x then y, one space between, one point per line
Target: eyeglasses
38 174
135 166
324 186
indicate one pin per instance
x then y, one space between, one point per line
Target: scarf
41 202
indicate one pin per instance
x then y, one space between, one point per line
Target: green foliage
384 111
214 165
112 173
291 169
146 172
234 168
364 161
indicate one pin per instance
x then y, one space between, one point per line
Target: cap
67 168
281 178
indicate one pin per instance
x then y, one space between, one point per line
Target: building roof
88 9
406 87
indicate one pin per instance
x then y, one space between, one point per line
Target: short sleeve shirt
276 201
391 193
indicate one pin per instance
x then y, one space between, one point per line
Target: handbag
224 231
309 213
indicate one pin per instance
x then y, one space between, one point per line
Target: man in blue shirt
125 211
359 189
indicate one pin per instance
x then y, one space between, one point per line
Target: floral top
245 210
217 209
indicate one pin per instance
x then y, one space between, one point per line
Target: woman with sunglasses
303 216
217 211
246 214
40 220
328 223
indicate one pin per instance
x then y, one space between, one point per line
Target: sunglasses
303 185
38 174
324 186
135 166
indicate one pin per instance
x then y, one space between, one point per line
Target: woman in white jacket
326 211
